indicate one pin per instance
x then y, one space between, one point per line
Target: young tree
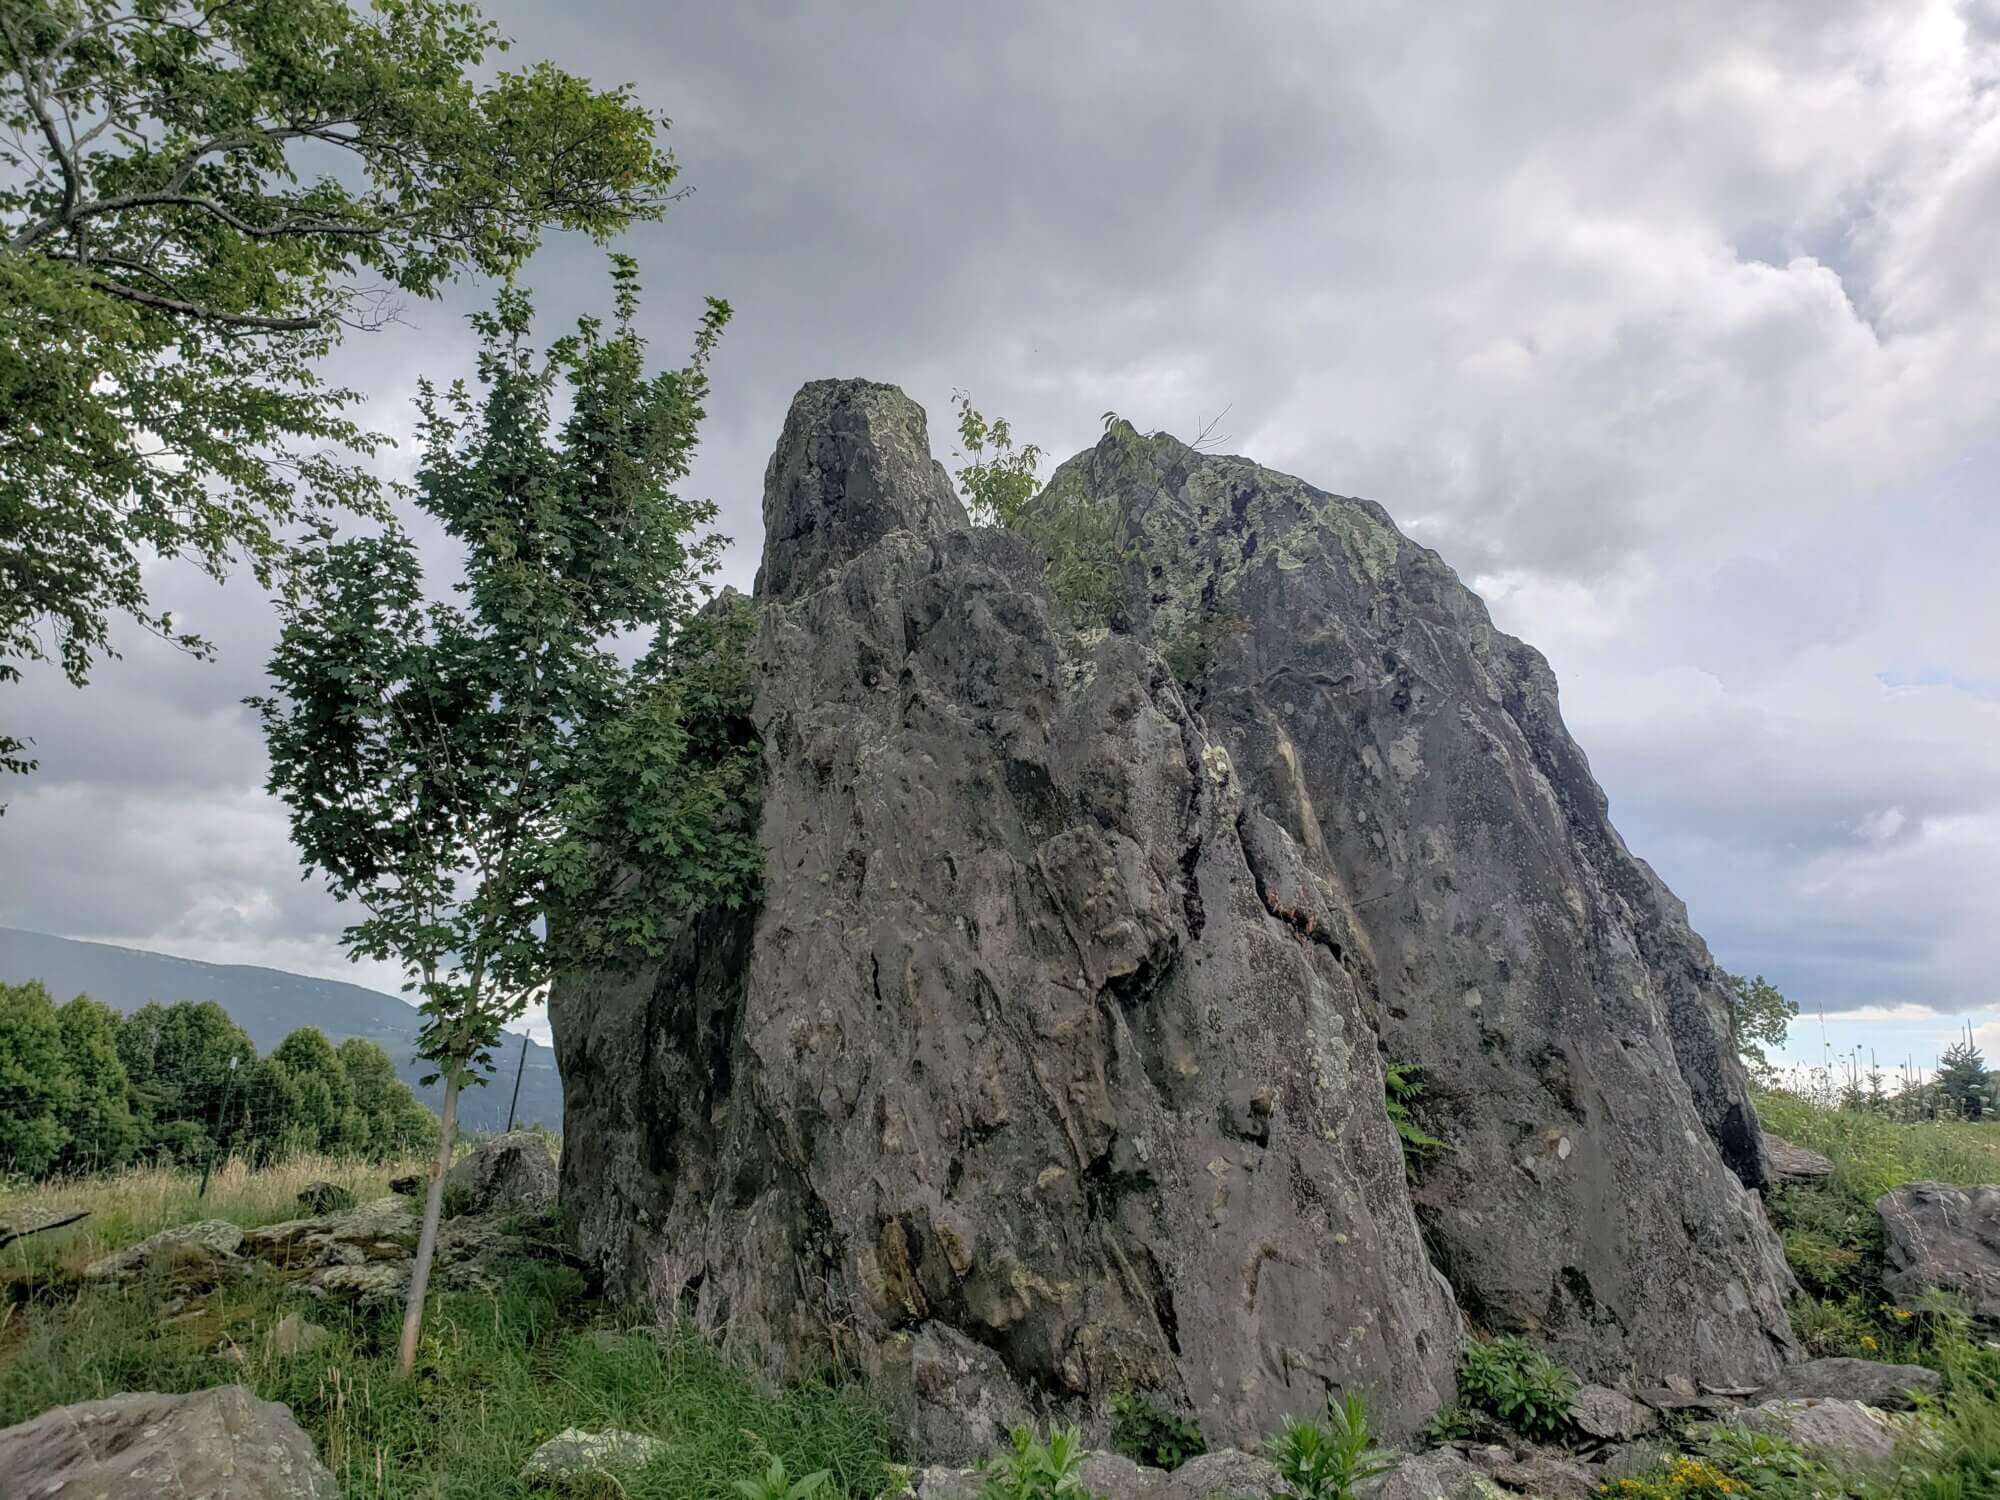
37 1089
430 752
1760 1017
1963 1080
99 1122
197 201
998 480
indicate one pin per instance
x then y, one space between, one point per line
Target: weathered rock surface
1227 1474
573 1457
1571 1028
1865 1380
1796 1166
1610 1416
511 1173
385 1229
218 1444
1943 1238
1841 1431
206 1248
1440 1474
1050 1065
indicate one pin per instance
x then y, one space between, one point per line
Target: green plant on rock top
775 1484
1147 1433
1325 1461
1034 1469
1510 1379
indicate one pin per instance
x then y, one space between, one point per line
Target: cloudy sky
1675 329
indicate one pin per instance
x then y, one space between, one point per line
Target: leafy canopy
1760 1017
197 201
483 775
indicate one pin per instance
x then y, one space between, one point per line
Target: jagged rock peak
853 464
1051 1064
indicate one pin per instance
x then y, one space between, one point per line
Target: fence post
519 1069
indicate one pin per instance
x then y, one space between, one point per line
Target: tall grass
498 1374
125 1207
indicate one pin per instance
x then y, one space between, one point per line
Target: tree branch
212 314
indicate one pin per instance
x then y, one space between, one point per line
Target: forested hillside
270 1004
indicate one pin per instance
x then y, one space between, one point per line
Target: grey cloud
1671 328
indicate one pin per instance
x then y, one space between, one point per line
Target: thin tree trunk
420 1271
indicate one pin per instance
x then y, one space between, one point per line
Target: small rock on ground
292 1335
1611 1416
573 1456
219 1444
1796 1166
377 1284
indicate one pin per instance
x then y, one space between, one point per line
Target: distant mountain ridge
269 1004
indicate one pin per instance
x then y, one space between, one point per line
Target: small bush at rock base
1036 1469
1147 1433
1508 1378
1326 1461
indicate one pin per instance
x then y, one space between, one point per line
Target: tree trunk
420 1270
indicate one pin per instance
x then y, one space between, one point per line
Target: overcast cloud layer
1676 330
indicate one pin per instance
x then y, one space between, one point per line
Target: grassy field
502 1371
499 1372
126 1207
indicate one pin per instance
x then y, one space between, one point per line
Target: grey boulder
1839 1431
1599 1412
1439 1474
511 1173
1865 1380
1796 1166
573 1457
1050 1063
1946 1239
218 1444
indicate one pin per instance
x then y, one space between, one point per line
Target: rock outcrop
222 1444
1050 1065
1942 1238
511 1173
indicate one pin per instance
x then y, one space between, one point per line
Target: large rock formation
1051 1064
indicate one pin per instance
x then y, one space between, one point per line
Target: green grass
125 1207
497 1375
498 1372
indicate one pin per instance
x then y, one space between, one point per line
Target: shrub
775 1484
1147 1433
1326 1461
1510 1379
1032 1469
